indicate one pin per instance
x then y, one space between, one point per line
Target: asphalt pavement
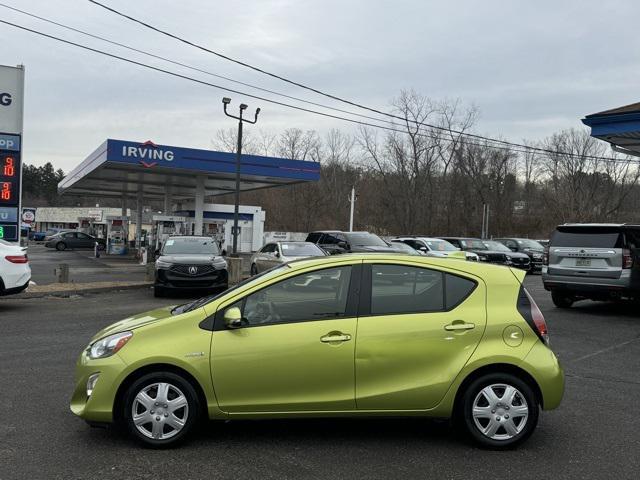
83 266
594 434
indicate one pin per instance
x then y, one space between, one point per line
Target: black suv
533 249
490 251
335 241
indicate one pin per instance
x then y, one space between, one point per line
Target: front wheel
499 411
160 409
561 300
60 246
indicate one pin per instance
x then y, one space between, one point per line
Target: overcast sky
532 68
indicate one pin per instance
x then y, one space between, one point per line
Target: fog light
91 383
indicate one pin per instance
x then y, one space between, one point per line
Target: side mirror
277 254
423 249
343 245
233 317
513 249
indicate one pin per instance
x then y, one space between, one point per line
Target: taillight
532 315
627 258
17 258
545 256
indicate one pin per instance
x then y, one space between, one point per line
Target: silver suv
592 261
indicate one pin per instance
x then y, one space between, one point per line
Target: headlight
219 263
162 264
507 258
107 346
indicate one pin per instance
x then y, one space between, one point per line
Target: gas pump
117 235
164 226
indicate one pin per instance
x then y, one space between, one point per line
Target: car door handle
335 337
459 325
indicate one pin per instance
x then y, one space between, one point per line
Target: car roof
420 237
177 237
586 225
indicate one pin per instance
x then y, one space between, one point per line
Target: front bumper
170 279
99 406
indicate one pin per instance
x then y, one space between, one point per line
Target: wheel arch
155 368
497 368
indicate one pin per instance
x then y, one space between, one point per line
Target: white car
15 272
275 253
433 247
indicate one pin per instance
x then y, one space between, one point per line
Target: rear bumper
591 285
546 370
15 290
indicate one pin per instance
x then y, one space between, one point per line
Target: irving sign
11 93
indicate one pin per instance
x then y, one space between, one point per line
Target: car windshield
190 246
404 248
293 249
441 246
201 302
471 244
531 244
366 240
496 246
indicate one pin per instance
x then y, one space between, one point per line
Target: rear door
417 328
586 251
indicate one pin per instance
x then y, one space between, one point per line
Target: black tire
561 300
525 397
190 413
60 246
159 292
254 270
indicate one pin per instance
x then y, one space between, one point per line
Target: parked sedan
276 253
74 240
15 272
346 335
513 259
434 247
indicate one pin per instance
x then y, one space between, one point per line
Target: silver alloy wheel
500 411
160 411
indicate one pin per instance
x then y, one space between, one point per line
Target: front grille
520 261
192 270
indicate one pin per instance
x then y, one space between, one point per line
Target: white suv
15 272
433 247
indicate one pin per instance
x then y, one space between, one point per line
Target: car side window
511 244
330 239
317 295
269 248
399 289
83 236
69 235
457 289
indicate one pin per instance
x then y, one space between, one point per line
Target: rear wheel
60 246
160 409
499 411
561 300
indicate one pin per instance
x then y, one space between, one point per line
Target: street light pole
226 101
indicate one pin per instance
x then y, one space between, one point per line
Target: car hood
136 321
190 259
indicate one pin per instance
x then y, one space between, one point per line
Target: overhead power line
315 90
190 67
526 149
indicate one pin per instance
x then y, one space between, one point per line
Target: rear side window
398 289
588 237
314 237
457 290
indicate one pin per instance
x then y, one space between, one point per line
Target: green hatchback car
348 335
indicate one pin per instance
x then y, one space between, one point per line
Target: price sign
9 178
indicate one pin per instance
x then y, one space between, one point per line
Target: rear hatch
586 251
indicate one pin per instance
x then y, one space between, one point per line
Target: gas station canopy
125 169
619 126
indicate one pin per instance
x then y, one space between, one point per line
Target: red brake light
627 258
532 315
17 258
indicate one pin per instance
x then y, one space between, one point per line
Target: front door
295 350
415 333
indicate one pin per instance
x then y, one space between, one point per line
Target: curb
77 291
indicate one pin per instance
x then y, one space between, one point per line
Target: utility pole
226 101
353 201
485 221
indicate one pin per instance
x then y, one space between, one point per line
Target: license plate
583 262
